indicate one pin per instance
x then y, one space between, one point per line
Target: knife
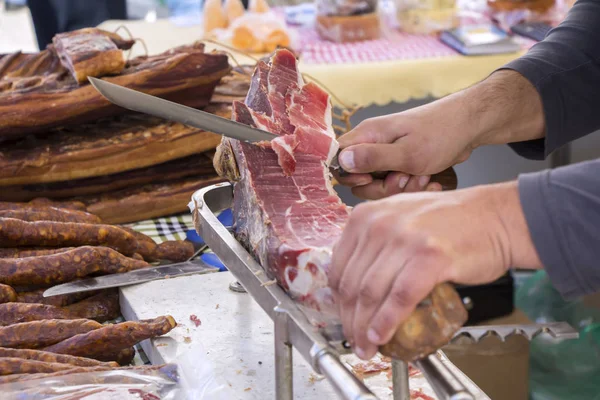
152 105
132 277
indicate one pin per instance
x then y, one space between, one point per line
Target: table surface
361 84
234 339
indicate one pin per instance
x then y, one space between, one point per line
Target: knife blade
152 105
132 277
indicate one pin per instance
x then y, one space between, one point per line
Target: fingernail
373 336
346 160
403 182
359 352
423 180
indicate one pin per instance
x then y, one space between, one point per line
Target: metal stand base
400 384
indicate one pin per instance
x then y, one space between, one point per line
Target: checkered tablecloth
167 228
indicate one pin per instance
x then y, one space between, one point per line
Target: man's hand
425 140
394 251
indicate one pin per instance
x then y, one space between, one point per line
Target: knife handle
447 178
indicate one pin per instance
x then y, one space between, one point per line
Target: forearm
562 209
504 108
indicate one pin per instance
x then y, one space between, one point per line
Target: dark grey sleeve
562 209
565 70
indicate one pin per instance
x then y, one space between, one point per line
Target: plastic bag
256 33
344 21
191 378
567 369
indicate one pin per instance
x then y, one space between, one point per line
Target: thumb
372 157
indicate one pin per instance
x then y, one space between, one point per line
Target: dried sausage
174 250
39 355
22 252
37 297
14 233
146 245
7 294
11 365
37 334
122 357
65 267
97 308
110 339
47 213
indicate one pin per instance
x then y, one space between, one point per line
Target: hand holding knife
152 105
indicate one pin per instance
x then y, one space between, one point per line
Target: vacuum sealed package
344 21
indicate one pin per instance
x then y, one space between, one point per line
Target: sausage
110 339
76 370
37 297
71 205
66 266
47 213
37 334
146 245
39 355
15 313
7 294
11 365
14 233
22 252
101 307
122 357
174 250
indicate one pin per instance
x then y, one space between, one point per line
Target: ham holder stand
322 348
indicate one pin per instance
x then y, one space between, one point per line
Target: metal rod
443 381
284 380
345 384
400 384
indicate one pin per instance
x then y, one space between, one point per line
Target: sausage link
146 245
10 366
62 300
39 355
122 357
110 339
7 294
96 308
22 252
71 205
47 213
66 266
14 233
37 334
174 250
101 307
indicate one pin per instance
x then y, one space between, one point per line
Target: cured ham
286 211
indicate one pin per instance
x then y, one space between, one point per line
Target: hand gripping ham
287 213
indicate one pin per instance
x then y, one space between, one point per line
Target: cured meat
66 266
35 334
22 252
111 339
279 102
108 146
61 300
7 294
45 356
14 232
88 52
48 213
40 201
289 221
185 74
287 213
